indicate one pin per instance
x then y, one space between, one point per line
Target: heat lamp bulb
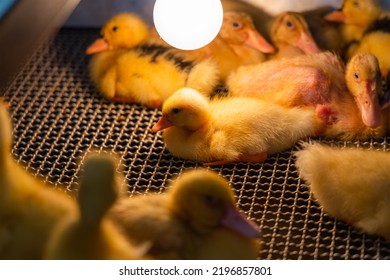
188 24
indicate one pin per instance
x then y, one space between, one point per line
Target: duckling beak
163 123
256 41
99 45
236 221
307 44
369 106
336 16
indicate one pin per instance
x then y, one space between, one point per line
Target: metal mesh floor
58 117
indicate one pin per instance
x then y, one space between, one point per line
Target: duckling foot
258 158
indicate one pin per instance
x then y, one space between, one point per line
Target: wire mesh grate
59 117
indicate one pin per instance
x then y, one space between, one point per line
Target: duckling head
238 28
205 201
186 108
123 31
356 12
363 79
292 29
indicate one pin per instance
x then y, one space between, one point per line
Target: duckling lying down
232 129
130 65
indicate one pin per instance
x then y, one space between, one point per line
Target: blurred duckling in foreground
291 36
317 81
29 209
231 130
237 43
127 67
90 235
352 185
195 219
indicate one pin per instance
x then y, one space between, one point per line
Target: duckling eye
356 76
289 24
210 200
115 28
176 110
236 24
355 3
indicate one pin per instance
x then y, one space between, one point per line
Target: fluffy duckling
291 35
364 81
357 16
376 40
316 80
89 234
237 43
352 185
29 209
232 129
195 219
127 67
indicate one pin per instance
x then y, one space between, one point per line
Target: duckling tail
204 76
5 136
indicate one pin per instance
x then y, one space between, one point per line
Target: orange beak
99 45
307 44
236 221
336 16
258 42
162 124
369 106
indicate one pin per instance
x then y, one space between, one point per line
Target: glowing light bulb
188 24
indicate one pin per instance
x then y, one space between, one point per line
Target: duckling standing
130 68
29 209
89 234
352 185
232 129
195 219
291 35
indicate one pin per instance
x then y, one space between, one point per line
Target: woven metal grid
58 117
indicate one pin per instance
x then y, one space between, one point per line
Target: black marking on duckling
382 24
155 51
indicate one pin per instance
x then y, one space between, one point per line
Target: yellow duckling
195 219
127 67
364 80
29 209
352 185
376 40
357 16
232 129
291 36
89 234
237 43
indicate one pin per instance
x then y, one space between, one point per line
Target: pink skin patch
235 220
